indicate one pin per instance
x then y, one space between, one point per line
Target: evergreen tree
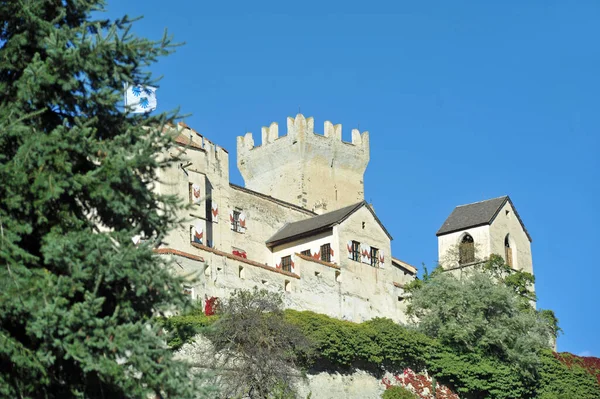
77 297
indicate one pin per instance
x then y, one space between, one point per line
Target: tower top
318 172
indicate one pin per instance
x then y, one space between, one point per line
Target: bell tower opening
508 256
466 250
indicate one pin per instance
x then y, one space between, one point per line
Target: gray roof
476 214
316 224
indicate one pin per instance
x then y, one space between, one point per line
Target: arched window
508 251
466 250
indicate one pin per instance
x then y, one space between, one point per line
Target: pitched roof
476 214
400 263
317 224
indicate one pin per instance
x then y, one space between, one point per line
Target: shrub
396 392
182 328
560 378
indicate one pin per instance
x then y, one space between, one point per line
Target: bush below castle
381 346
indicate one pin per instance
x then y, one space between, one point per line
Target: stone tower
317 172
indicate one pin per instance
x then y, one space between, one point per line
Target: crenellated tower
317 172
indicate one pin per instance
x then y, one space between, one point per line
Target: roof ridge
479 202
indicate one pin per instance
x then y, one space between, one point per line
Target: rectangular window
374 257
190 191
208 210
326 253
286 263
305 253
356 251
235 223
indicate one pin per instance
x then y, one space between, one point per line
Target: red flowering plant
589 363
421 384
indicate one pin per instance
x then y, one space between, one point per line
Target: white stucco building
301 225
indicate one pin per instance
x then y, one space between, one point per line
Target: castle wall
317 172
206 166
508 223
263 218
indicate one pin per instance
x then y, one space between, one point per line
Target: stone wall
323 385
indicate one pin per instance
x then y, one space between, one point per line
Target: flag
140 98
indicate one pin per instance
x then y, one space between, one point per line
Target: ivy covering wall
380 345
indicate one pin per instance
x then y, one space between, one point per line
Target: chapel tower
475 231
317 172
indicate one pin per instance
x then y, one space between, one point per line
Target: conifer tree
77 297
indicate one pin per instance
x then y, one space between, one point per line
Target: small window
356 251
466 250
187 290
338 276
242 273
235 223
209 210
287 286
317 274
326 253
286 263
374 257
306 253
508 252
191 192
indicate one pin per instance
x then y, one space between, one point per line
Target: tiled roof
476 214
317 224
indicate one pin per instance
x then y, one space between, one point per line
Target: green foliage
558 381
396 392
343 345
400 347
519 281
78 298
417 283
491 335
380 344
475 376
258 346
182 328
475 314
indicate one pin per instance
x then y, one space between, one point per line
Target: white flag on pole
140 98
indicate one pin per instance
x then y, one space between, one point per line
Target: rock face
359 385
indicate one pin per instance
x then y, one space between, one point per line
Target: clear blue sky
464 101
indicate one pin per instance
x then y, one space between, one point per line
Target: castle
301 225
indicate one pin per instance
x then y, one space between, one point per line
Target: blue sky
464 101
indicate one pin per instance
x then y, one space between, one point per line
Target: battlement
301 127
304 167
